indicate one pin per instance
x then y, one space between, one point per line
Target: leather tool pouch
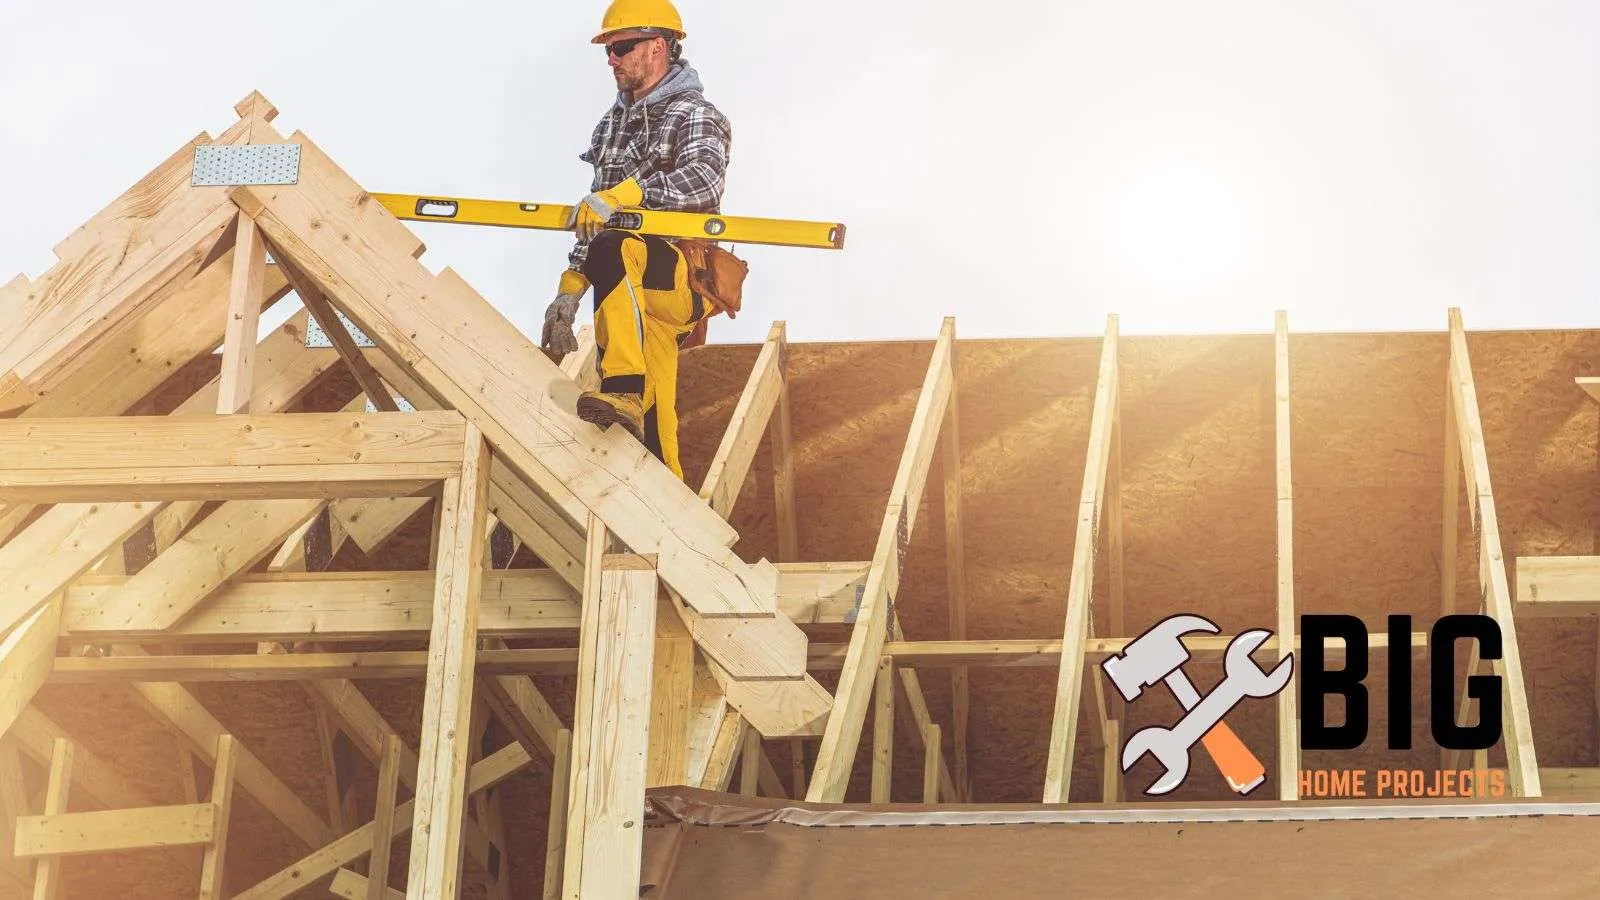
718 277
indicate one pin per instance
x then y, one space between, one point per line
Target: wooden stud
435 870
556 824
671 692
932 746
876 619
1288 715
244 316
724 752
1080 590
783 454
750 763
731 463
883 732
221 804
610 725
47 874
27 655
1493 586
956 587
316 303
389 768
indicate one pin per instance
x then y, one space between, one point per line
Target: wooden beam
327 317
352 886
783 454
956 586
1080 588
182 457
883 732
556 825
344 606
730 465
47 874
724 750
1521 755
244 317
610 725
517 702
1288 715
389 768
750 763
873 623
106 831
932 745
435 870
221 804
323 862
671 694
1558 586
26 658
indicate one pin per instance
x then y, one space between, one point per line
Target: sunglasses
619 49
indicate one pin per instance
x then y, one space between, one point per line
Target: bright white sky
1027 166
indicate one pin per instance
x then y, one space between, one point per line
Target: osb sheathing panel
1199 535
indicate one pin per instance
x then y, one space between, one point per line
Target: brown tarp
707 846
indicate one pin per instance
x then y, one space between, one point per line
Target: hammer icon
1159 655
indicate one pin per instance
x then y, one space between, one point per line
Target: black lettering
1316 682
1483 688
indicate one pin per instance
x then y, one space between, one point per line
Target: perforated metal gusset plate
228 165
318 339
403 403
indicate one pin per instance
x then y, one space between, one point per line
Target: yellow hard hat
623 15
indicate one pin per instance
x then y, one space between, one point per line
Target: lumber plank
724 752
343 606
956 587
221 804
1521 755
1080 590
782 433
325 860
520 706
321 310
14 873
873 622
104 831
484 367
610 730
671 695
435 870
389 767
883 732
1558 586
932 745
26 658
363 724
244 315
1288 716
730 465
352 886
47 874
556 827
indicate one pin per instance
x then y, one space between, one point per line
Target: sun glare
1179 226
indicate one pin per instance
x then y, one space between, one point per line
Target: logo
1159 655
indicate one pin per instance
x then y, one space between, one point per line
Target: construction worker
662 145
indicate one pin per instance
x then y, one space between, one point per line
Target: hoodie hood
681 79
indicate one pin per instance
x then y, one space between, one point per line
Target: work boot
603 409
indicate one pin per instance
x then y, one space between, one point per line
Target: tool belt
716 276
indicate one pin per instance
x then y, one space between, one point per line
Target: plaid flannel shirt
673 141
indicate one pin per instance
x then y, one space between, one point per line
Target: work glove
558 340
590 215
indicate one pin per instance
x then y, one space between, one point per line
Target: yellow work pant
643 307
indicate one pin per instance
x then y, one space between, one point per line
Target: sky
1028 167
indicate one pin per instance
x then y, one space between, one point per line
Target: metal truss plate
403 403
228 165
318 339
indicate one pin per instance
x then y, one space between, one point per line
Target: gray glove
558 339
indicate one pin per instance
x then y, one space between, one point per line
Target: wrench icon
1243 679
